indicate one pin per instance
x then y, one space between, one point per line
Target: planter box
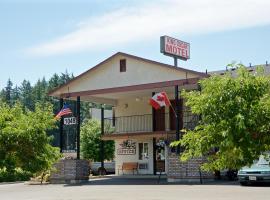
70 171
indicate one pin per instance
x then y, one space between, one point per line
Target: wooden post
78 109
61 127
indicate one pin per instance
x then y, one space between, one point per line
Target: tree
2 95
65 77
15 95
234 128
26 91
6 93
54 82
91 139
28 96
40 91
24 142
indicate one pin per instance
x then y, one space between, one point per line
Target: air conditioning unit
143 165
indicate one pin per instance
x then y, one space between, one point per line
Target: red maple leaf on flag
160 98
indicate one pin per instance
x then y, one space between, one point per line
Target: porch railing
143 123
134 123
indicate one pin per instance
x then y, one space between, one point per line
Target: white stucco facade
120 159
107 75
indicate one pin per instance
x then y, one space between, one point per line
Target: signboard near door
127 147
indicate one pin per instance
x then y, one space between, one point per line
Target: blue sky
42 37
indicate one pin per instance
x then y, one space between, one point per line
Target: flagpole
173 109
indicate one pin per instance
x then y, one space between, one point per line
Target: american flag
64 111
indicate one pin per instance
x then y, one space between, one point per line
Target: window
123 67
143 151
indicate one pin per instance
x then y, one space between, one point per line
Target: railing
190 121
135 123
143 123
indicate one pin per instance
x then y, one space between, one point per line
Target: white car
259 172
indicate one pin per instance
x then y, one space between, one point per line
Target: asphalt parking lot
129 189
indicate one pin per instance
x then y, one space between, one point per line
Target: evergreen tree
27 95
15 95
2 95
54 82
37 93
44 89
65 77
40 91
7 92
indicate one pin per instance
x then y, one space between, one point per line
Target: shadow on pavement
148 181
257 185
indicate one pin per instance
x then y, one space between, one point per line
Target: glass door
160 156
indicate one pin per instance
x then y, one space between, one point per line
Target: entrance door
172 115
160 157
160 119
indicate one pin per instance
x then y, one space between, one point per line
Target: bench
129 166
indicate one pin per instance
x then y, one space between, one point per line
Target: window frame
123 65
143 150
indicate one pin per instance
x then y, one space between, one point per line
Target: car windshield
262 161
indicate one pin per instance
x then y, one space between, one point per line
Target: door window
143 151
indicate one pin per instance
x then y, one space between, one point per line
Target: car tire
231 174
243 183
102 171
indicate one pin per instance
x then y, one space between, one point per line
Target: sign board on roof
174 47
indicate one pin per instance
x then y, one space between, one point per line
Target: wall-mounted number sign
70 121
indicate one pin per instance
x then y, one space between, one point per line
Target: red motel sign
176 48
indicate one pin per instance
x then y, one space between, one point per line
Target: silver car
259 172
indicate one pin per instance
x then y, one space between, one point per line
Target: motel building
141 133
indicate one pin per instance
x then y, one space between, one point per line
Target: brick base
70 171
189 171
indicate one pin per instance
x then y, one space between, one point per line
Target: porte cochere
141 133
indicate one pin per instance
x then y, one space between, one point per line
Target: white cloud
156 18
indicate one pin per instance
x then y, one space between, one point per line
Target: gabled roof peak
132 57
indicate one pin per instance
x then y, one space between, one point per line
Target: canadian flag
159 100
